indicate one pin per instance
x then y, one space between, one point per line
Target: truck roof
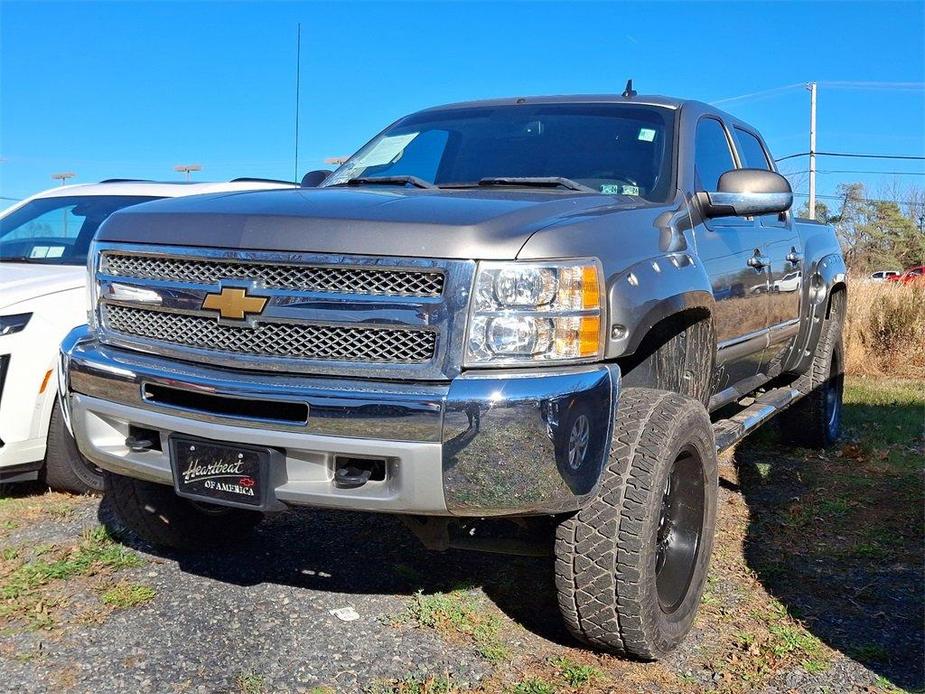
641 99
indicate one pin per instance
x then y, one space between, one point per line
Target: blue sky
131 89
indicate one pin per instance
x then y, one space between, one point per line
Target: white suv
43 252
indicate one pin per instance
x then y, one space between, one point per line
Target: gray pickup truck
553 310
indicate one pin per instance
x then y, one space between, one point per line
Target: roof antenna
629 91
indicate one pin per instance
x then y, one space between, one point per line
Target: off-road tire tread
598 579
66 470
157 515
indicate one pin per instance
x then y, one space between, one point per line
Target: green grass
413 684
460 612
250 683
96 551
575 674
124 595
788 638
534 685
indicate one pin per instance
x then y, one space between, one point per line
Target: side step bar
729 432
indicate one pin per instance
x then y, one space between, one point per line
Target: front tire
66 470
631 565
157 515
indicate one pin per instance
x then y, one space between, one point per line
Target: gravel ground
257 618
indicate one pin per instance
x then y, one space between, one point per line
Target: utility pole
812 149
186 168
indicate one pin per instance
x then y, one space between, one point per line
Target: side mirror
313 179
748 193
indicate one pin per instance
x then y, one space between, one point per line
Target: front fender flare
650 291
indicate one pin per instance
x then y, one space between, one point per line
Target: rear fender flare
828 275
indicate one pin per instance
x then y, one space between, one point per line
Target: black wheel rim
833 396
679 529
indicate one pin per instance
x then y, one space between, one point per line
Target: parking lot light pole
63 176
187 168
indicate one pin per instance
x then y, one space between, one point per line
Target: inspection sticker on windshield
646 135
46 252
615 189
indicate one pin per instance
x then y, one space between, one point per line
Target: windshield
58 231
612 148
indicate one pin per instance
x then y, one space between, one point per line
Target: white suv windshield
58 231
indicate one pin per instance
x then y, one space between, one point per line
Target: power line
909 157
854 171
763 92
834 84
842 197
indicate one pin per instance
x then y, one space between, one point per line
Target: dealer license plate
229 475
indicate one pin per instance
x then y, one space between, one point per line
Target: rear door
784 249
729 247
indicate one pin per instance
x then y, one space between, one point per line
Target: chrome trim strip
783 331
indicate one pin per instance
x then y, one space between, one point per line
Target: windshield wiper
390 181
537 181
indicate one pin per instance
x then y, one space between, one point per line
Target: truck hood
372 220
25 281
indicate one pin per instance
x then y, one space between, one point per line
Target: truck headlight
530 312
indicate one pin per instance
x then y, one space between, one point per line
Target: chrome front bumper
485 443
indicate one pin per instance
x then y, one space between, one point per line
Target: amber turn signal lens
589 335
590 288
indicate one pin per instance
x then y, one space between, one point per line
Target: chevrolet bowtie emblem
233 303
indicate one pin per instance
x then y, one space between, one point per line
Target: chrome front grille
348 280
297 341
310 313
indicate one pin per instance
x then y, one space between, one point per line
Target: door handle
758 261
793 257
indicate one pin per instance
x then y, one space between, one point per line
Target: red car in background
913 274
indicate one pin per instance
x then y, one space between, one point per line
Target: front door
784 251
732 251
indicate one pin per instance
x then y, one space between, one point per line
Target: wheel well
676 354
840 288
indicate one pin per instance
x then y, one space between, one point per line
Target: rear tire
815 420
66 469
631 565
157 515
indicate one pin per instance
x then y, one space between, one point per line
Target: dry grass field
885 330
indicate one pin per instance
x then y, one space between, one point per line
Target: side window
754 156
712 155
752 153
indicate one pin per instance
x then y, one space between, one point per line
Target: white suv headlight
529 312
